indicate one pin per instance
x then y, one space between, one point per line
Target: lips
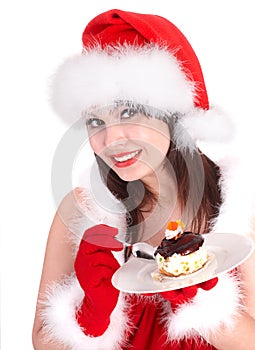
125 159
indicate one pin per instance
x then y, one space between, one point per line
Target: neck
162 183
166 207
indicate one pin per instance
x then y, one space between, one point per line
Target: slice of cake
180 253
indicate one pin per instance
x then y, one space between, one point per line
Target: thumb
103 236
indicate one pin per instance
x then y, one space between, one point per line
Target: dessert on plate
180 253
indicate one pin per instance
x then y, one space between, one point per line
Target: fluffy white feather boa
207 311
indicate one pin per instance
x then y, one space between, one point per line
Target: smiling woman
140 88
133 144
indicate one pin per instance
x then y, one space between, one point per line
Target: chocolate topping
188 243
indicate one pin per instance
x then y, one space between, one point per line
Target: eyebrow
117 104
126 103
89 115
139 107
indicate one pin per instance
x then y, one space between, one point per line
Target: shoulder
81 208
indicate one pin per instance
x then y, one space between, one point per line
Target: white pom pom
203 125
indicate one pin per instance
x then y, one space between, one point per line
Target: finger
96 276
103 236
104 259
207 285
171 295
90 248
87 265
189 292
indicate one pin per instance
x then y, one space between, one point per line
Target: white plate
226 251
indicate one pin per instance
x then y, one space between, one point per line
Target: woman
139 87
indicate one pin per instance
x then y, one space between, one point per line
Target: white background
35 37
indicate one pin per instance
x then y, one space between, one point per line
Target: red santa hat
144 59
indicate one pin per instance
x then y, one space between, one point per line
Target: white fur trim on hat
149 75
60 325
208 311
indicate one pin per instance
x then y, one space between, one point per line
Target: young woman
139 89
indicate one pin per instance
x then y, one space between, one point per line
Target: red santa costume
147 60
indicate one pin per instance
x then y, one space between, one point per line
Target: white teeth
126 157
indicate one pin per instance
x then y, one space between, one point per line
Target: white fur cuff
60 325
208 310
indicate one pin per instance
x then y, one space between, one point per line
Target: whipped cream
170 233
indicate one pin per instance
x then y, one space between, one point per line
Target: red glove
184 295
94 266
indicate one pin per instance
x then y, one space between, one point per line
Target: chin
128 178
132 175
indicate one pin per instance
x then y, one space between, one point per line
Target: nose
115 133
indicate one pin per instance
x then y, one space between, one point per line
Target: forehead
119 105
114 108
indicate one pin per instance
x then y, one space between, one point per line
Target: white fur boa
60 325
208 311
204 314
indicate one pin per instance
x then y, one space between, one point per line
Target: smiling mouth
125 159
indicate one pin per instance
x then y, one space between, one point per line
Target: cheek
158 141
164 145
96 144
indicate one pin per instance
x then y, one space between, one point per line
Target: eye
128 113
95 122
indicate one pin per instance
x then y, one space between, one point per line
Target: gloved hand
184 295
94 266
